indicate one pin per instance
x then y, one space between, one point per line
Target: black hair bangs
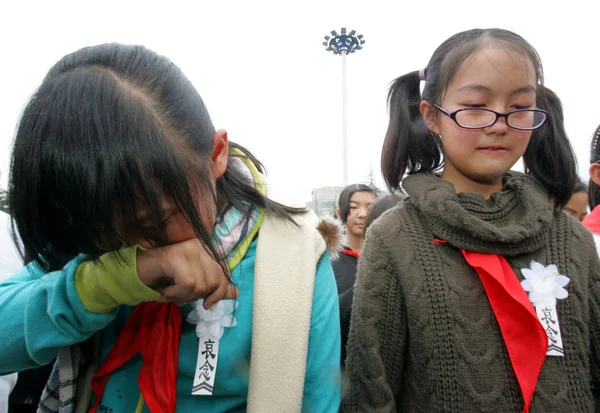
100 154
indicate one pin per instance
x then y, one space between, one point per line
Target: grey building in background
324 200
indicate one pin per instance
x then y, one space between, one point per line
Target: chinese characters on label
549 319
206 367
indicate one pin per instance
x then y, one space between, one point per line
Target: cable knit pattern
512 222
423 336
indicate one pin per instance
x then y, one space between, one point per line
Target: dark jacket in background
344 268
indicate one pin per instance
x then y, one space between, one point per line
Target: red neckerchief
350 253
523 334
154 330
592 221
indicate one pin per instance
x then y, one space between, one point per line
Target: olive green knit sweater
423 336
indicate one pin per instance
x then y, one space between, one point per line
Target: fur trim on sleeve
331 231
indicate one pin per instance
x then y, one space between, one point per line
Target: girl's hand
185 272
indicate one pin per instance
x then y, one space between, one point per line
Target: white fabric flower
212 322
544 284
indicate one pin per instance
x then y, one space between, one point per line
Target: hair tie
595 156
422 74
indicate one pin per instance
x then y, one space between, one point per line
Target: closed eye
519 107
148 226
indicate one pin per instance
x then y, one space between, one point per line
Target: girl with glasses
475 294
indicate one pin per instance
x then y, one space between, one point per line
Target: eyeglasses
475 118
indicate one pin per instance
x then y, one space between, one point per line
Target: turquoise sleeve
322 386
40 313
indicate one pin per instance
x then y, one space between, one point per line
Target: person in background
379 207
353 207
578 203
592 220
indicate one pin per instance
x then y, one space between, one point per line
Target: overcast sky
266 78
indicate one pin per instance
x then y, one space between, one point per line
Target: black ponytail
549 157
233 190
593 187
593 194
409 146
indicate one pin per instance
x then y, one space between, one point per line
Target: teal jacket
41 313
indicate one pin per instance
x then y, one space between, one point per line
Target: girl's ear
595 173
428 113
220 153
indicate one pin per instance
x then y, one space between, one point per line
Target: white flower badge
212 322
544 284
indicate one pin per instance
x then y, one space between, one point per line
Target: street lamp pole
343 44
344 120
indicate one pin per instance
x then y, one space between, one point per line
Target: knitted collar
513 221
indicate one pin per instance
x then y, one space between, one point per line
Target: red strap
154 329
524 336
351 253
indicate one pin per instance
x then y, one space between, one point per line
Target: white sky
266 78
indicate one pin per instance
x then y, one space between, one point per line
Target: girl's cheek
179 230
523 135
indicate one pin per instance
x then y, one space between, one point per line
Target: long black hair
593 188
411 147
113 127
